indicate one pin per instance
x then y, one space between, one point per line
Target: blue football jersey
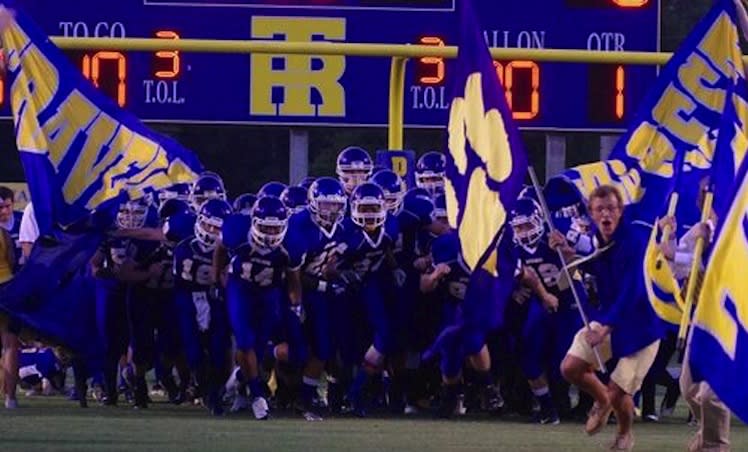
547 265
414 216
445 249
164 255
260 268
365 253
310 247
578 231
193 266
235 231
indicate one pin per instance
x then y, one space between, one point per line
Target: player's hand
352 281
596 336
556 240
668 221
422 263
298 311
335 288
399 276
703 231
330 270
7 16
441 270
667 250
550 302
522 294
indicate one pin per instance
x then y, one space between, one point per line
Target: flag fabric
53 295
486 167
79 150
718 349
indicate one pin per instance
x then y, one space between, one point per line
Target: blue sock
256 388
308 391
358 384
544 398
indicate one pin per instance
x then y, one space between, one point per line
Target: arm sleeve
629 273
29 230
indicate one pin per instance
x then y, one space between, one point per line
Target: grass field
57 424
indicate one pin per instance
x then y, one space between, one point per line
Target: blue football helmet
526 220
307 182
269 222
244 203
295 198
327 201
210 221
207 186
353 167
430 171
273 188
368 206
177 191
133 214
393 187
172 207
440 209
419 202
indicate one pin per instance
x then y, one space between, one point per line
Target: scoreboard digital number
174 86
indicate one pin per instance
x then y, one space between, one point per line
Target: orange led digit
499 71
630 3
620 91
432 61
121 72
86 66
534 83
172 55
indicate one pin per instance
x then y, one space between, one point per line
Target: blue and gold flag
486 167
79 150
718 351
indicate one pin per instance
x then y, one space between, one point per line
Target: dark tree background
248 156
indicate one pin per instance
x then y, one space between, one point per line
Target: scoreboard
308 90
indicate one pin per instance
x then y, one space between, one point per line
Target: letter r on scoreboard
297 85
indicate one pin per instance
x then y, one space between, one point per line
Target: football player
243 203
116 269
552 317
207 186
450 274
430 172
177 191
413 211
257 307
201 310
295 198
272 188
369 262
316 241
353 167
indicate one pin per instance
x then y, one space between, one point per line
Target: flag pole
567 273
666 231
685 320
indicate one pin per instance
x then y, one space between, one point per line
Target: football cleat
260 408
